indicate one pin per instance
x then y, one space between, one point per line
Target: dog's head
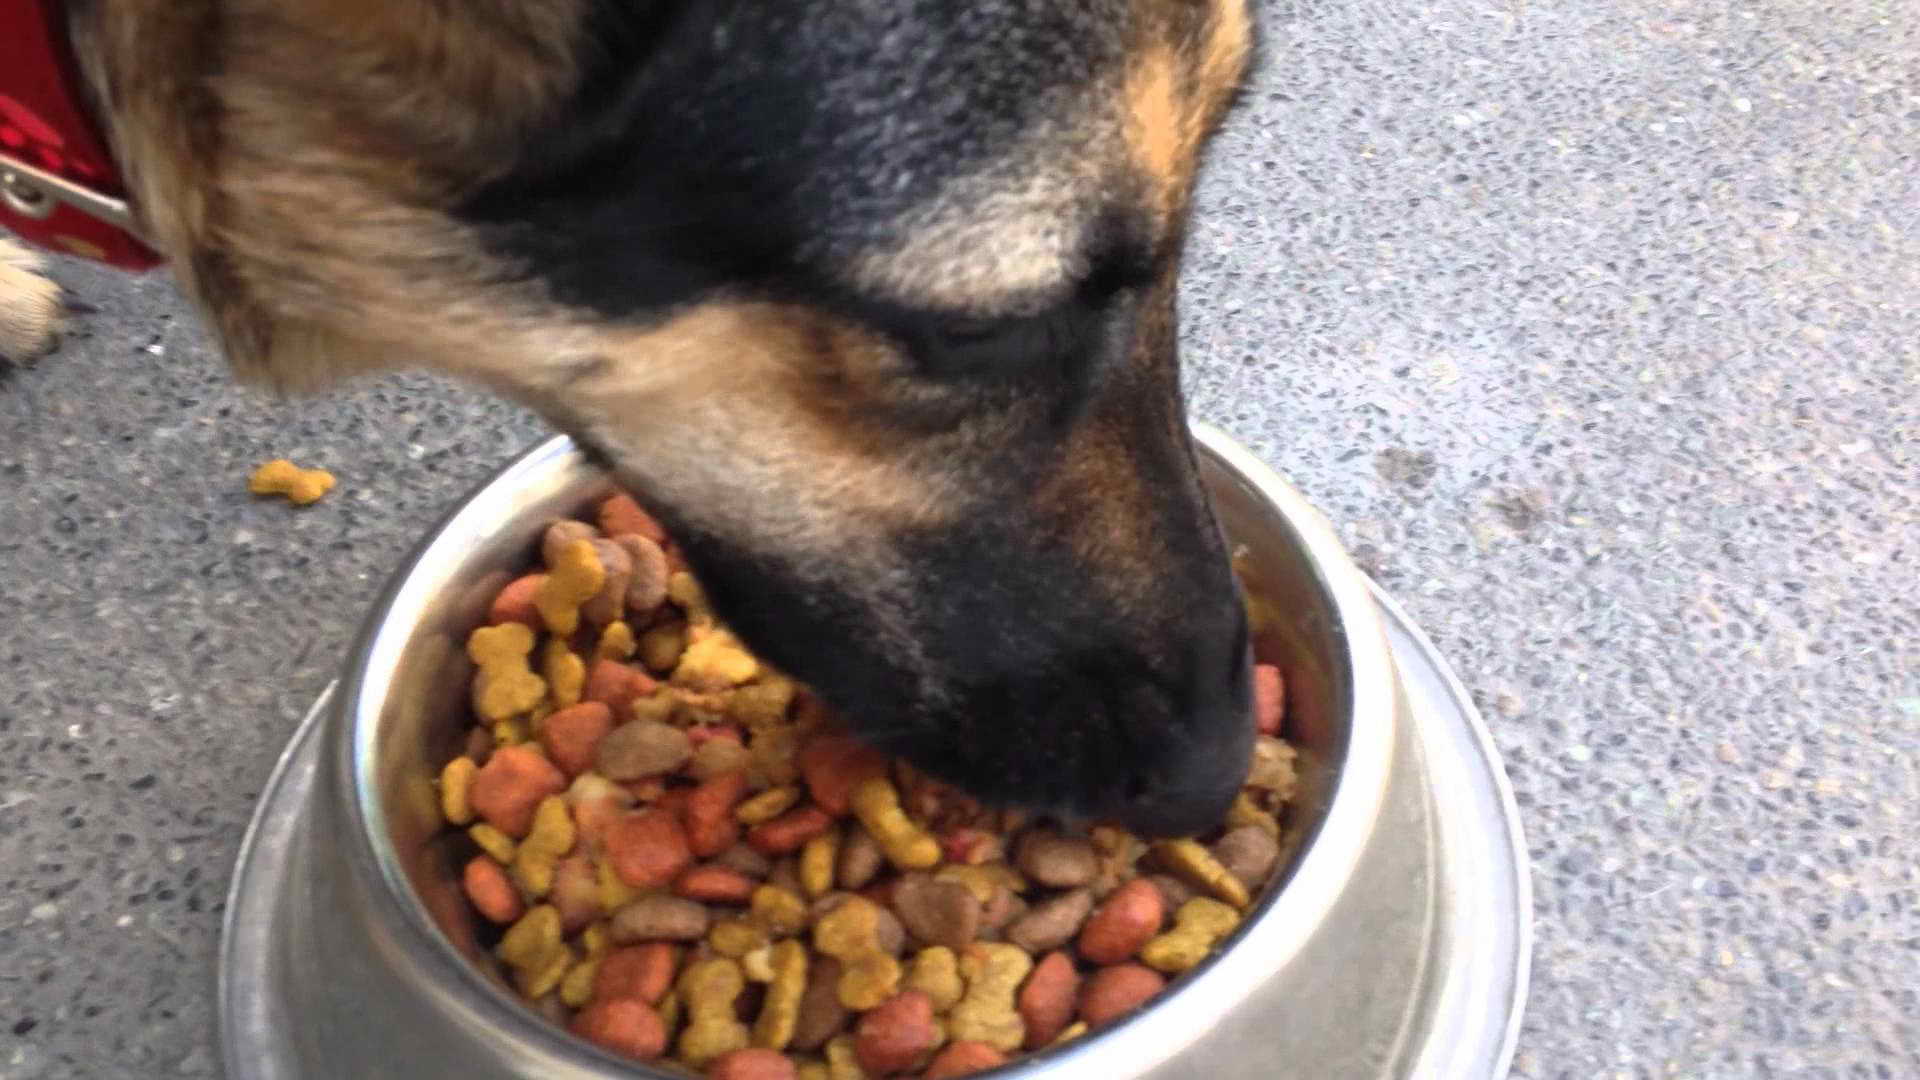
872 302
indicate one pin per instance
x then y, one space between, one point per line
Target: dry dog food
282 477
689 862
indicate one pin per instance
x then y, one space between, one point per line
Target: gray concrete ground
1591 325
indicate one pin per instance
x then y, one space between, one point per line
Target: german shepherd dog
872 300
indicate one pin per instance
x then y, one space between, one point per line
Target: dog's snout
1187 787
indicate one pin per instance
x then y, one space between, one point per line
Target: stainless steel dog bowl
1396 945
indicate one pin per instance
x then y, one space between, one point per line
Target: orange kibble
617 685
1123 922
714 885
790 831
1114 991
753 1063
642 972
624 1026
834 765
963 1058
571 735
1269 699
1047 1000
647 849
711 828
621 514
509 787
895 1035
491 891
515 603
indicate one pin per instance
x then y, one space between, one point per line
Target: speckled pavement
1592 327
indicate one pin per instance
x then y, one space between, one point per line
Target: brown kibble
643 972
1248 853
625 1026
752 1063
492 893
893 1037
1047 1001
647 849
716 756
1128 917
554 541
576 893
821 1014
937 912
510 786
647 581
572 734
659 917
1114 991
747 861
963 1058
1051 923
1173 891
859 860
1269 699
610 603
622 515
514 603
1056 861
641 748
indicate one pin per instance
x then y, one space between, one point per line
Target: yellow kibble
530 943
539 981
616 642
817 860
577 988
456 780
302 487
777 910
907 845
767 805
565 672
504 686
596 939
575 577
494 842
735 938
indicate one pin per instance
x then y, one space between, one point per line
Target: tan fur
300 201
29 303
1177 87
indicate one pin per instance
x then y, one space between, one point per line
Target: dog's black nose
1187 788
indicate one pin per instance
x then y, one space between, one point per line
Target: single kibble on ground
302 487
689 860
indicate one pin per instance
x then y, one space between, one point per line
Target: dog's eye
1067 338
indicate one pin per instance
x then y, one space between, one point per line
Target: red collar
58 184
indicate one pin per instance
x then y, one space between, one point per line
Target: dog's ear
294 159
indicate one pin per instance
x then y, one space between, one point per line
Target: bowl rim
1269 936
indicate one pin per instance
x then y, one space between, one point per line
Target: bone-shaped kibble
283 477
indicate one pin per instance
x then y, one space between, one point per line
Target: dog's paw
30 309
